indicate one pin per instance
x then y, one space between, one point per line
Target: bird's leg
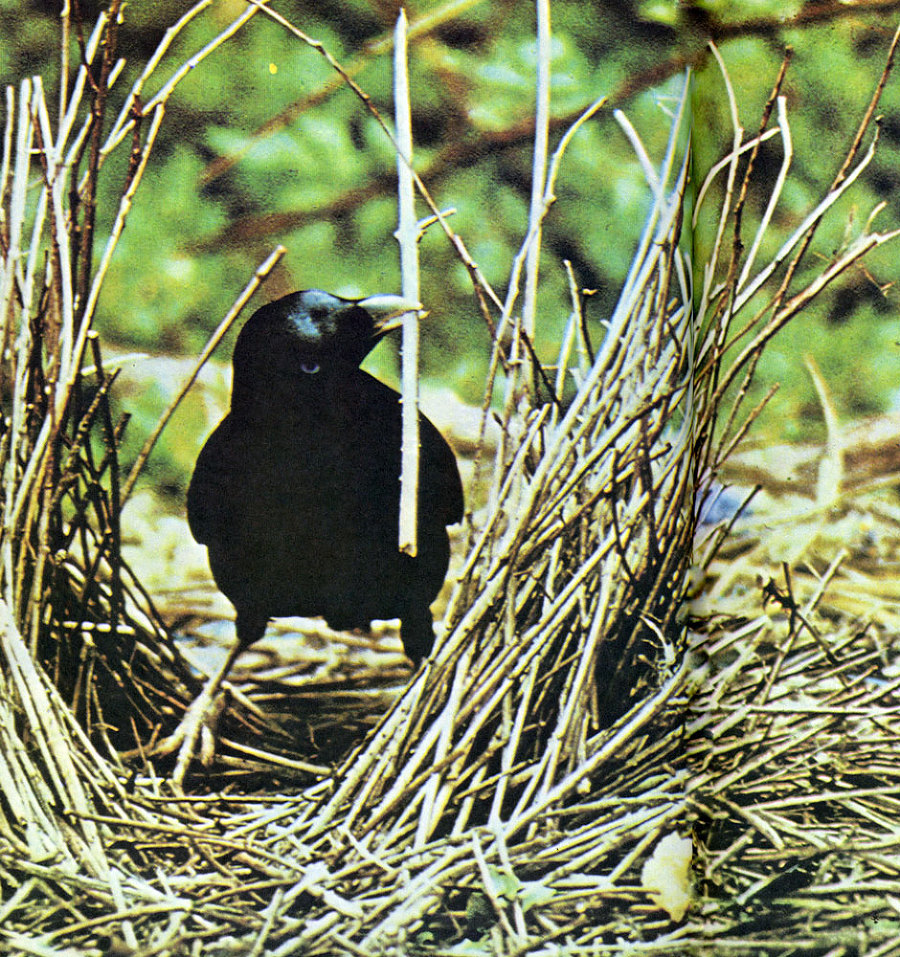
203 710
196 718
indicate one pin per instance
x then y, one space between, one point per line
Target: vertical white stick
409 273
538 175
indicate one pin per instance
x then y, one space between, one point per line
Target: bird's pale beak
388 311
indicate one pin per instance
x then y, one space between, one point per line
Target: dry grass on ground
793 735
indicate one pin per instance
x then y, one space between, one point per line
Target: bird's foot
195 735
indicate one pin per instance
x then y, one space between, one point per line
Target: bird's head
313 331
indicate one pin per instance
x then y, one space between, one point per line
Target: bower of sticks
642 728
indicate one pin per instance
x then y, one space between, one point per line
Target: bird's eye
310 368
317 313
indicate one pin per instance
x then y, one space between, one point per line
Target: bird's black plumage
296 493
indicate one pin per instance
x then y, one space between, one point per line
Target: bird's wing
440 487
215 484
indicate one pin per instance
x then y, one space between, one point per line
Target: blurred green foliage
262 145
851 330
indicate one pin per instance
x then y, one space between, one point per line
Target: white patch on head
314 315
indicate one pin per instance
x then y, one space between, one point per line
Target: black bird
296 494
